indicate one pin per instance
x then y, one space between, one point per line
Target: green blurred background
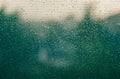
64 49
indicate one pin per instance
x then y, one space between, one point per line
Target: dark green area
86 49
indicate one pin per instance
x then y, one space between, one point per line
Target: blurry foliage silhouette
46 50
17 44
